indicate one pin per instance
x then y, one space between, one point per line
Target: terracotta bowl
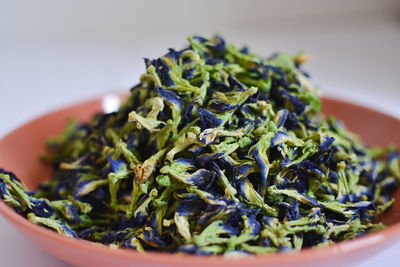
20 151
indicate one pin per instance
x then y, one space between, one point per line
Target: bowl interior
20 151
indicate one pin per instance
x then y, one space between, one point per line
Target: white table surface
358 61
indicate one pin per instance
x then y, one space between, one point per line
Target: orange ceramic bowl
20 151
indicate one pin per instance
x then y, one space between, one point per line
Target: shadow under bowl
20 151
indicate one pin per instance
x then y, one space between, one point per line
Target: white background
54 53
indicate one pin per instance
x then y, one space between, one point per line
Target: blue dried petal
195 150
244 50
388 184
260 70
137 219
62 189
274 69
193 249
175 55
129 244
41 208
87 232
219 107
279 138
284 183
371 174
132 141
242 171
183 194
188 74
308 167
309 124
216 190
219 45
237 172
169 95
207 215
153 222
285 248
241 187
292 121
254 224
231 226
305 73
362 208
218 86
362 204
315 212
292 102
392 157
116 165
358 152
241 209
280 80
312 201
209 119
190 206
200 38
282 206
202 178
67 230
153 238
235 85
291 212
282 116
326 143
187 114
212 62
247 112
285 161
162 70
72 214
265 242
311 238
136 100
328 190
206 56
235 209
333 177
324 156
266 220
112 237
189 249
208 136
352 198
187 162
263 166
3 188
205 159
82 188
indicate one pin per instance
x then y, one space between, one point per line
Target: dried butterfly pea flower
216 151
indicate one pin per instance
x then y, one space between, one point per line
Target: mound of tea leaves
216 151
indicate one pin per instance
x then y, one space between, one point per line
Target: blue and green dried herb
216 151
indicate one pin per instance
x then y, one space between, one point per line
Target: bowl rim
390 233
